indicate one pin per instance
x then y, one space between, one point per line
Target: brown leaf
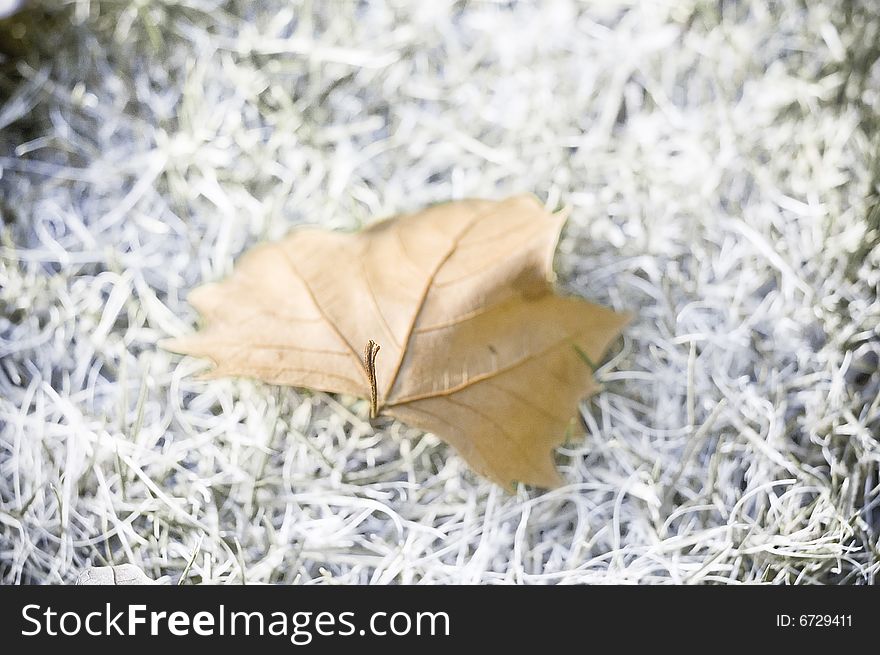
475 345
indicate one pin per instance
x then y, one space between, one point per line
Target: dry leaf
475 345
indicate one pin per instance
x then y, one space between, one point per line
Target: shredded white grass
717 158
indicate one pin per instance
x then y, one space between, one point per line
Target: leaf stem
370 352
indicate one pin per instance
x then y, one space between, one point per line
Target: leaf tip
172 344
626 317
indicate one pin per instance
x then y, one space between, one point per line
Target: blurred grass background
722 163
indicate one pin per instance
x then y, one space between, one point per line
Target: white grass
717 158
